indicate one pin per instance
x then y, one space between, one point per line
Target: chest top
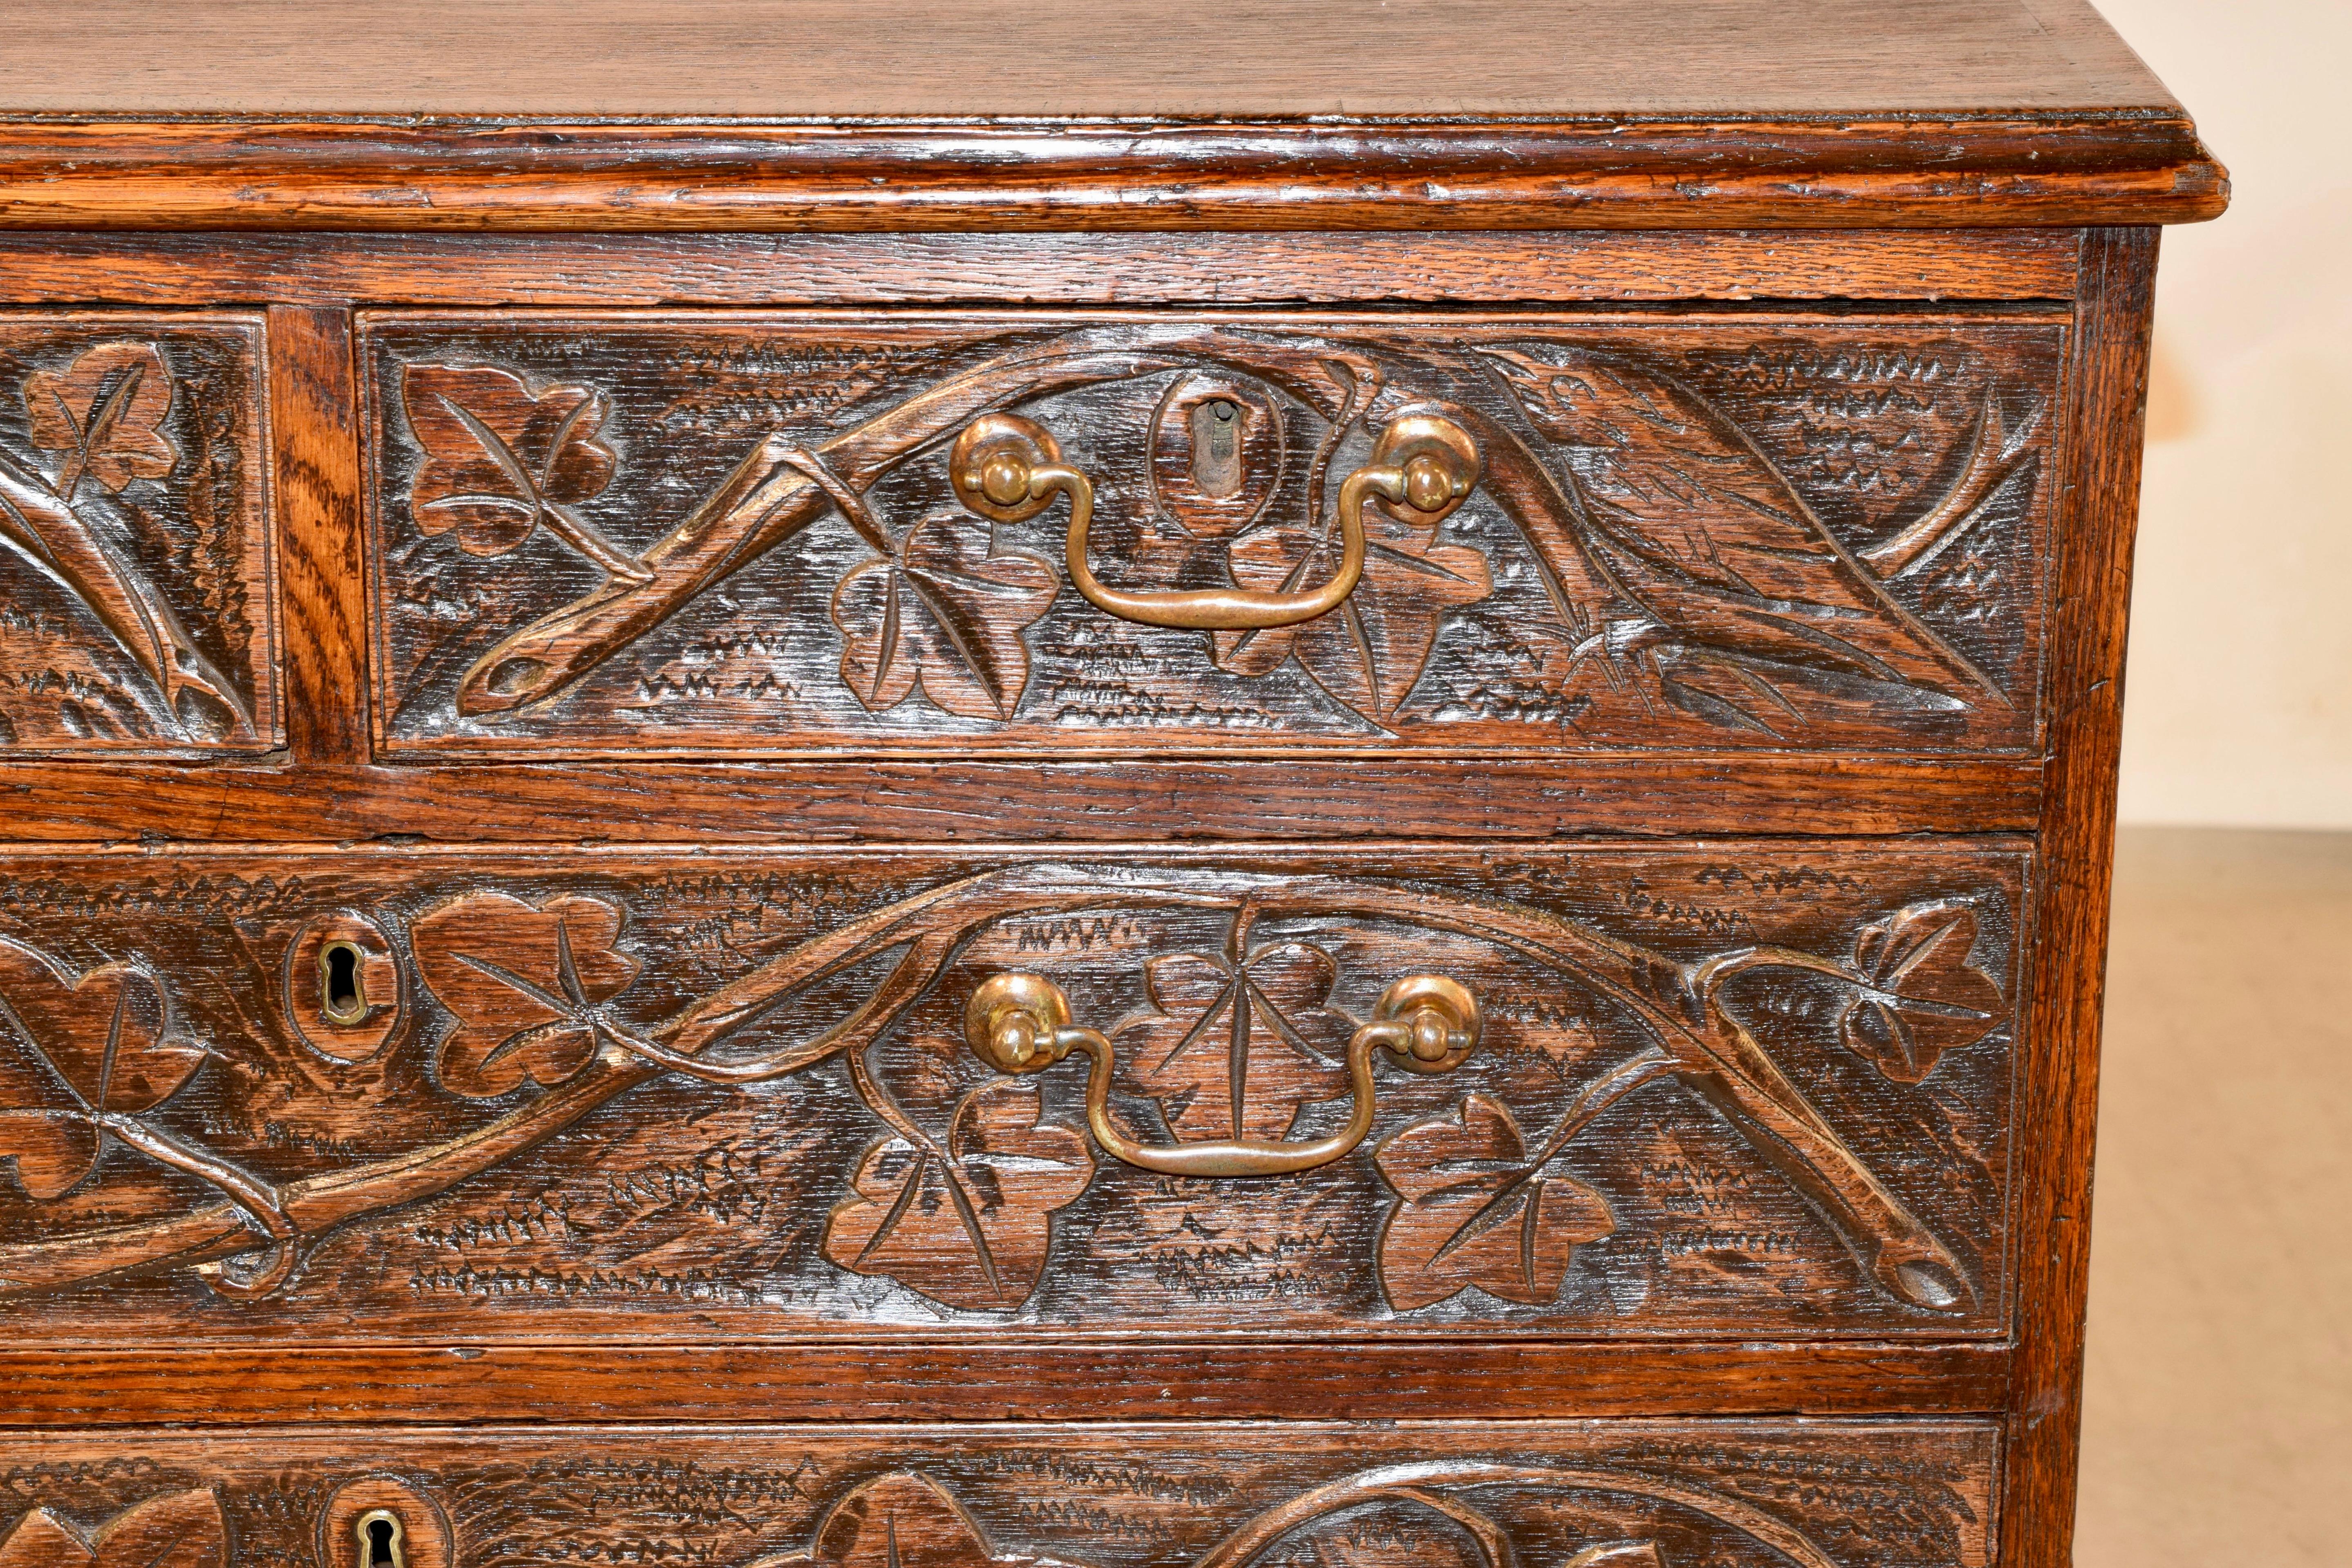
1089 114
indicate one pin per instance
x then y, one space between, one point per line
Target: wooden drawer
135 588
1736 1089
1622 1494
632 536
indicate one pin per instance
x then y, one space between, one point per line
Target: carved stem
1716 1056
770 497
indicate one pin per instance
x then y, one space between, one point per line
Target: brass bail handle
1009 469
1021 1024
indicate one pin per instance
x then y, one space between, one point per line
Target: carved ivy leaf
499 459
967 1225
105 412
526 983
185 1529
1469 1215
903 1520
1922 997
1698 530
73 1049
1369 652
945 612
1234 1051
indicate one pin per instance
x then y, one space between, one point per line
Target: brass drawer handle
1021 1024
1009 468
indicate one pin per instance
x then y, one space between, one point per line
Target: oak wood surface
864 59
2076 862
1751 531
995 1380
1111 802
758 1116
490 269
1744 1494
890 176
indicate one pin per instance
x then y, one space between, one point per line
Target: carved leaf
99 1044
970 1228
105 412
946 613
1694 526
526 982
1924 997
497 456
903 1520
185 1529
1235 1050
1469 1216
1371 651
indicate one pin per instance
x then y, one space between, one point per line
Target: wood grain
864 59
490 269
1502 799
996 1379
1753 533
1846 173
758 1117
1746 1494
2075 863
322 567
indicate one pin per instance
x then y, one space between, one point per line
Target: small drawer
1603 1494
1731 1090
135 594
619 536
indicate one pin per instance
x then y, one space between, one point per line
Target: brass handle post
1021 1024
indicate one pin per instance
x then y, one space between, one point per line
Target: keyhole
342 991
380 1537
1217 447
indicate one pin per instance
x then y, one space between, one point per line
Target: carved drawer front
385 1096
623 536
1613 1494
135 597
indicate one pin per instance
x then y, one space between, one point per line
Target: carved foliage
1720 534
134 597
527 985
1237 1049
79 1050
1624 1494
1920 996
1472 1210
184 1529
1633 1103
964 1220
943 611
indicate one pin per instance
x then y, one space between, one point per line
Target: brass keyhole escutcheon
381 1539
1217 447
342 982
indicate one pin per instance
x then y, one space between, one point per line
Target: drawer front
1622 1494
135 599
1727 1090
616 536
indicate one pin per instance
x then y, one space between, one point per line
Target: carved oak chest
1080 784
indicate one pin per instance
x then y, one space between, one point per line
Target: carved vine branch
1696 1040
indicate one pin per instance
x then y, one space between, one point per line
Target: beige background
2241 682
2218 1402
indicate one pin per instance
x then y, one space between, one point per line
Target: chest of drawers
1156 788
